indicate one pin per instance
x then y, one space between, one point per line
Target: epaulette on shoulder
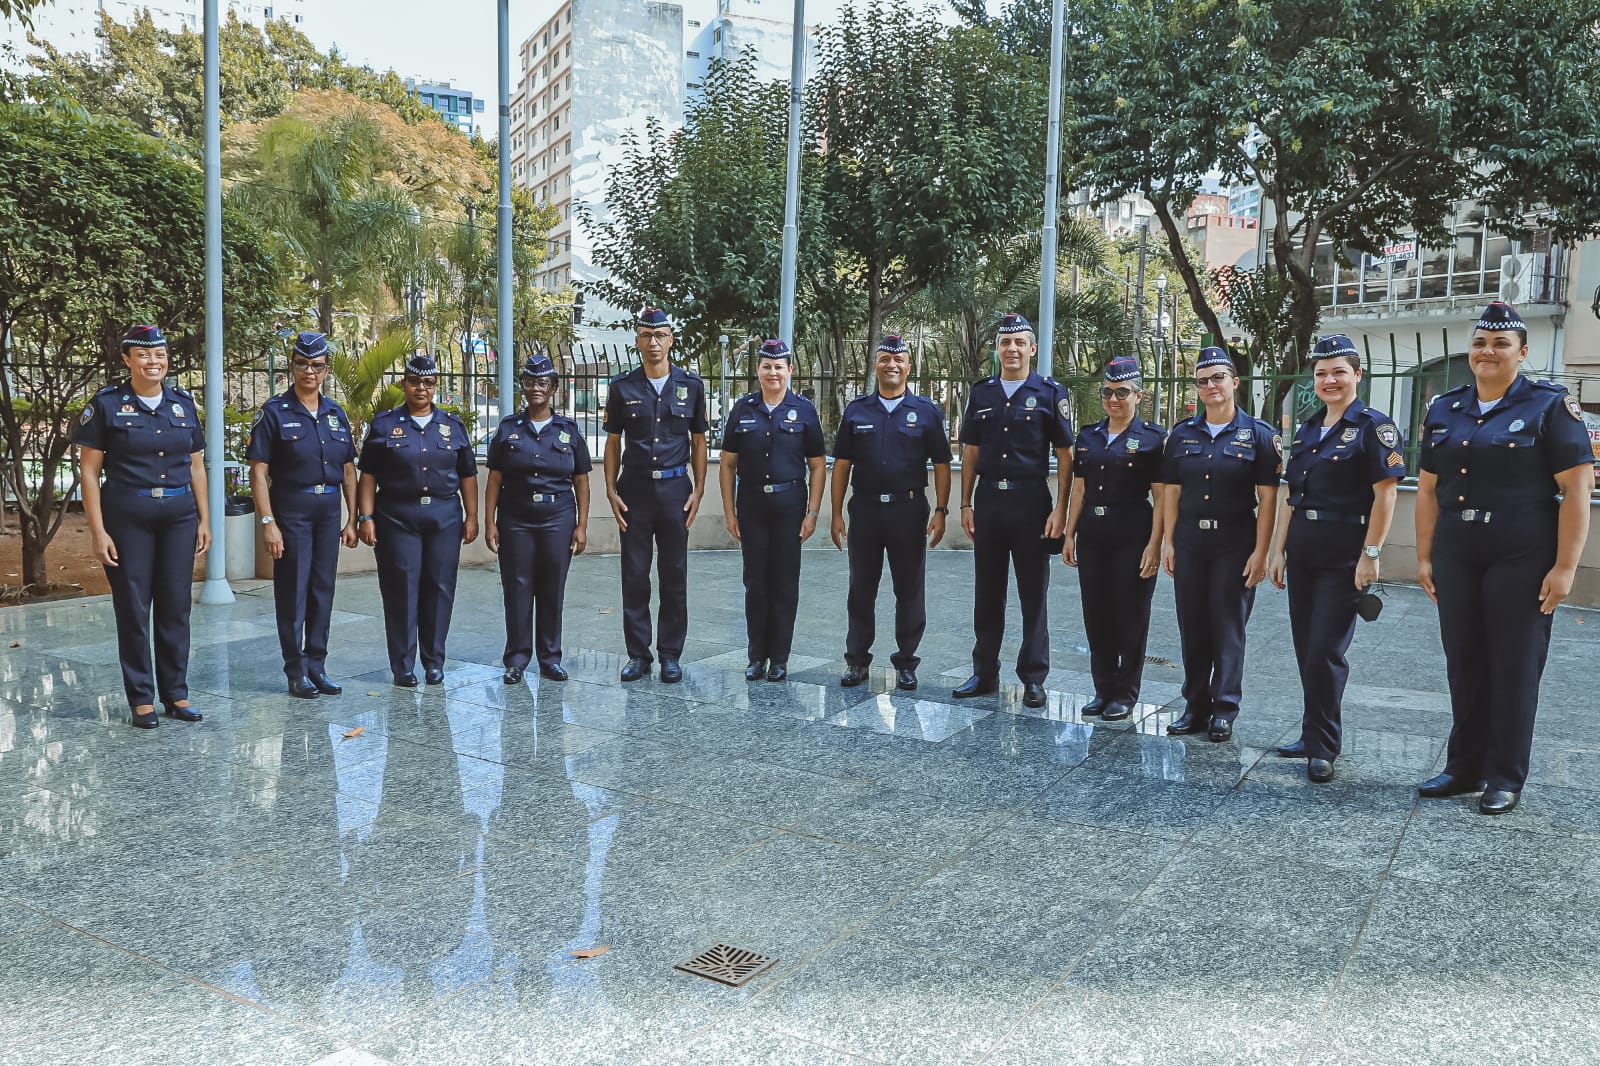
1549 386
1458 390
108 389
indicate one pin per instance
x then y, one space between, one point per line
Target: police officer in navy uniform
302 461
1114 538
418 475
1012 425
1221 470
1342 470
655 467
536 516
771 443
1497 552
149 521
886 439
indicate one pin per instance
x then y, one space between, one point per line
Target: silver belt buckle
425 500
1208 523
157 493
886 497
768 488
1467 516
1003 485
1311 515
1100 512
655 475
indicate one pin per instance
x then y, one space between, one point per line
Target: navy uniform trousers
1010 531
418 552
535 555
302 580
1116 600
1213 609
1487 579
900 529
769 540
1322 621
154 573
655 519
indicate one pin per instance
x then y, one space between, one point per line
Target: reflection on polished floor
941 883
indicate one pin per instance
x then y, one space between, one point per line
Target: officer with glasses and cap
1014 423
1502 517
655 469
772 473
1343 467
148 521
417 503
1221 471
302 464
1114 538
536 517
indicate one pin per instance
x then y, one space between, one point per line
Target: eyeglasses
425 383
1213 379
302 367
1115 394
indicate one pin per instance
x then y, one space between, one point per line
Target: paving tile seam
712 1026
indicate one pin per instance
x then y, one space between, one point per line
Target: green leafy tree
100 227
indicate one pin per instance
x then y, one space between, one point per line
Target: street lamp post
1161 311
1052 161
216 588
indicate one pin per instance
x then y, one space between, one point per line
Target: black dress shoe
405 680
1448 784
325 684
301 689
1221 729
755 671
184 714
1189 722
1319 770
513 675
671 672
905 680
1115 711
1498 801
1297 750
853 676
635 670
434 676
976 686
148 720
777 671
1094 707
552 672
1033 695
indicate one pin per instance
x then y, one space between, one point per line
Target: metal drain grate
728 965
1156 660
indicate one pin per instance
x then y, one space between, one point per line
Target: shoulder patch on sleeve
1570 402
1064 407
88 414
1277 443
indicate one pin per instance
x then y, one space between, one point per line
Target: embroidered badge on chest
444 430
514 436
1133 444
397 432
333 422
792 416
1516 424
127 409
1349 435
177 410
1031 402
564 437
682 392
1243 436
911 418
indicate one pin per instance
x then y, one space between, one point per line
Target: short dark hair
1350 357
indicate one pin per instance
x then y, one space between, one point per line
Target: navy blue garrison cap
144 337
422 366
539 366
1014 324
1499 316
1333 346
893 342
776 349
1214 356
310 345
1123 368
650 318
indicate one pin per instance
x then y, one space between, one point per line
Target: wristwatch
360 518
266 520
942 510
1371 551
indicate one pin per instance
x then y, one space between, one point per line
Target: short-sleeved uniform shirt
1016 435
541 462
301 448
1117 473
889 451
1337 470
657 427
1218 477
143 449
1507 456
773 446
409 461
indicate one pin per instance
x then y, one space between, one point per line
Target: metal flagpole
507 349
1052 162
791 197
216 588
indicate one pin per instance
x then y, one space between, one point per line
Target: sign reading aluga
1399 252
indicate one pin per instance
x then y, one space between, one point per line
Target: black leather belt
1320 514
162 491
891 497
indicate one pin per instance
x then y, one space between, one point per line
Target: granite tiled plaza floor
942 883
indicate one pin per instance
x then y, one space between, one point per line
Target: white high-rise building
596 71
69 25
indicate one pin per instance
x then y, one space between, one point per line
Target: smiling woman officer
1496 551
148 521
1343 466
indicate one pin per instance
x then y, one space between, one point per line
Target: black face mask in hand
1369 605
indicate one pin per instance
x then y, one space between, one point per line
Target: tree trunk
1199 301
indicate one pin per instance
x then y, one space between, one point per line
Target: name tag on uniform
864 427
291 425
747 421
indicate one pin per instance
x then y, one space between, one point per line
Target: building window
693 22
716 35
692 55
